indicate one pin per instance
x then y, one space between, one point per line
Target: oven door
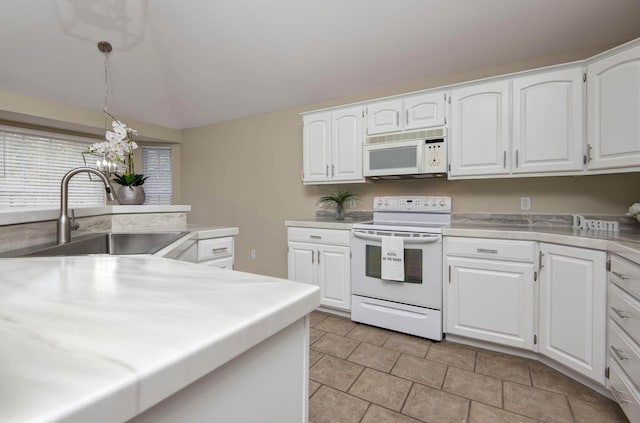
422 265
393 158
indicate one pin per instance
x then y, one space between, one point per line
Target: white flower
119 144
634 209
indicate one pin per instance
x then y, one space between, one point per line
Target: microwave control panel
435 156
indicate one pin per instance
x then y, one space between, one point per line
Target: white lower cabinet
489 296
573 301
322 257
215 252
624 335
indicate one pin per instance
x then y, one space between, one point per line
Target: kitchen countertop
102 338
320 222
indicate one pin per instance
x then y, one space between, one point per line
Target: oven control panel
424 204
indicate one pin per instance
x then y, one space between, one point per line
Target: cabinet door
423 111
384 117
479 129
316 147
613 107
573 299
547 122
334 276
347 145
491 300
302 262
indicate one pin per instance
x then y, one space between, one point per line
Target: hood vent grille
404 136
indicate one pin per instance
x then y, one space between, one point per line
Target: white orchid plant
117 152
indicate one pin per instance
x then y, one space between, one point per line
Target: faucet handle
74 226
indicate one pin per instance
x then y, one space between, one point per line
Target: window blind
156 165
32 165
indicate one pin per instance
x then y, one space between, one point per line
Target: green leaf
129 179
338 197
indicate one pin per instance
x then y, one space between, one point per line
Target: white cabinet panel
613 108
334 274
547 122
317 147
573 308
301 266
491 300
479 129
384 117
423 111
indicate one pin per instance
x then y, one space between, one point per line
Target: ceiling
188 63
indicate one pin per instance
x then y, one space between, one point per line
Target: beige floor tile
426 372
453 354
369 334
536 403
432 405
381 388
481 413
408 344
328 405
337 325
316 318
375 357
335 345
377 414
546 378
335 372
315 334
588 412
481 388
314 356
505 367
313 387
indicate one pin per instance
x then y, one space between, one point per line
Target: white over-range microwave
419 154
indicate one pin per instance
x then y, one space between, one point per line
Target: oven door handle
420 240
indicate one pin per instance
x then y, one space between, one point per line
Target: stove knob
380 201
442 202
386 202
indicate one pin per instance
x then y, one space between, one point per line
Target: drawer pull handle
620 275
487 250
219 250
618 396
618 353
315 236
620 313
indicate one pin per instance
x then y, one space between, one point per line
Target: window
32 164
156 164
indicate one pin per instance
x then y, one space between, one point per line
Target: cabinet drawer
223 263
626 275
624 392
320 236
626 352
625 311
491 248
215 248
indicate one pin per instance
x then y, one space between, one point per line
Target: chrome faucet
64 223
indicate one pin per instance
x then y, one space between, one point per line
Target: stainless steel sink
108 243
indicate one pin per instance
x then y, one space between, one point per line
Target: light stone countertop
320 222
102 338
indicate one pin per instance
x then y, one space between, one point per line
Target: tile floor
364 374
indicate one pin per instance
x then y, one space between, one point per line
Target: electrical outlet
253 254
352 203
525 203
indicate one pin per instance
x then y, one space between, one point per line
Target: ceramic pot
130 195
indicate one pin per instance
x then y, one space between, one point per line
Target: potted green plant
339 198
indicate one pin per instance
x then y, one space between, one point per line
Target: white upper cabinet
423 111
384 117
409 113
547 122
613 109
479 129
332 146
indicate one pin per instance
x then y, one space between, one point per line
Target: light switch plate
525 203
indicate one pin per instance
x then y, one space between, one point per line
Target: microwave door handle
421 240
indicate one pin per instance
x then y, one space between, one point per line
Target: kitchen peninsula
113 338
